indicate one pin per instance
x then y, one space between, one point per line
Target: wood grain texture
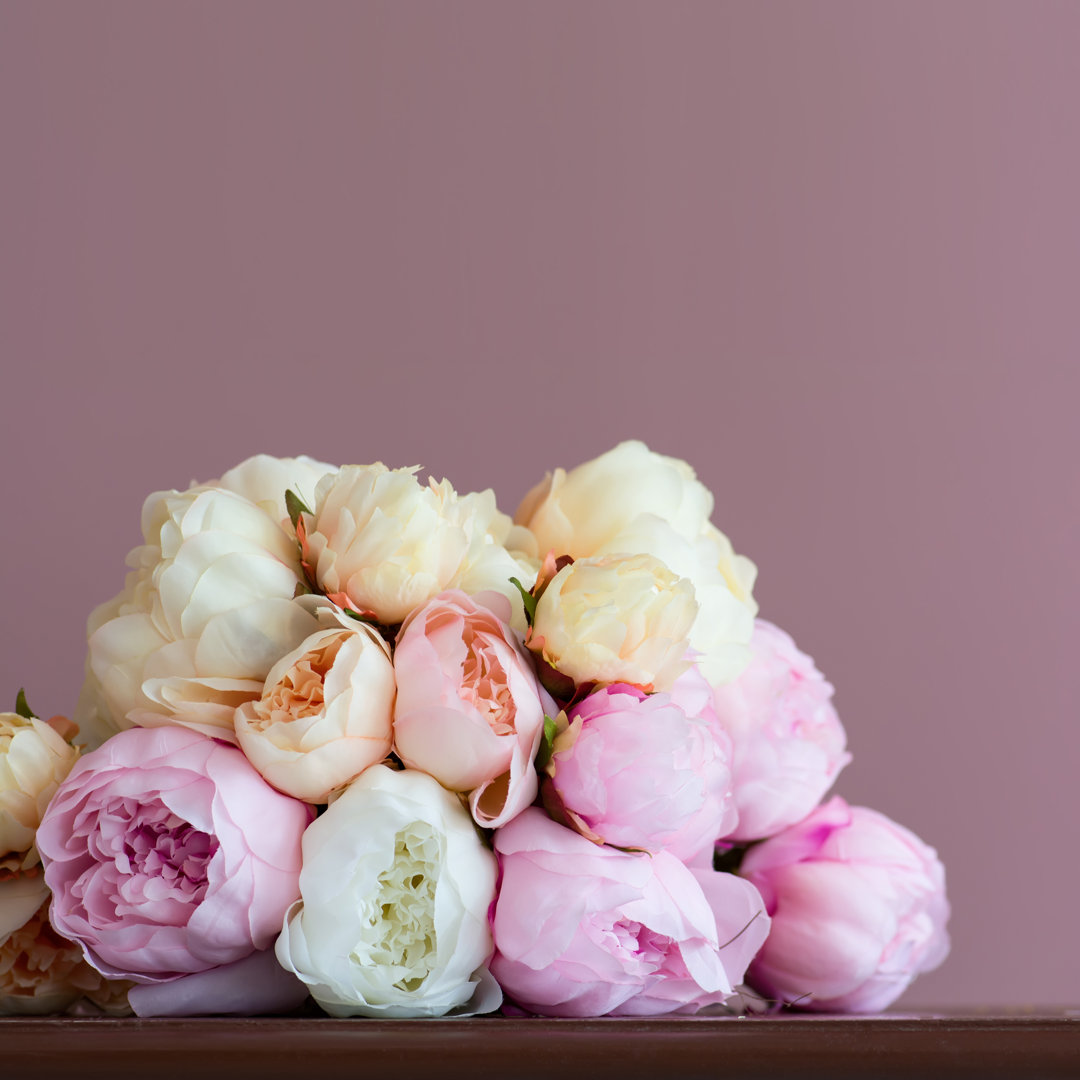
1030 1046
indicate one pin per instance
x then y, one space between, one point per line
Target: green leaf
543 755
22 708
527 599
295 505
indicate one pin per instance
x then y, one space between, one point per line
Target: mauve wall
827 252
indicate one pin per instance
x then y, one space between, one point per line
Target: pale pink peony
636 771
167 854
470 711
789 744
583 930
858 907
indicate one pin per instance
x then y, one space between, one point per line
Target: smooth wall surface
827 252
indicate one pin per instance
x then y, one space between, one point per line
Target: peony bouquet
350 737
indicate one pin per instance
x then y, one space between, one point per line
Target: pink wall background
828 252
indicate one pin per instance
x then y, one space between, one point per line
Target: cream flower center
398 934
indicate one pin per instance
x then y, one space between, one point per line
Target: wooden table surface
1022 1044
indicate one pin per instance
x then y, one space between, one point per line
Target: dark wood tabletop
1029 1044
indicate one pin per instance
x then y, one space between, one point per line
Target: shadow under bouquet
350 737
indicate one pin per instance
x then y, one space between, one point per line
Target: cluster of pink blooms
351 737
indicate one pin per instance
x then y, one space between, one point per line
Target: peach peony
325 713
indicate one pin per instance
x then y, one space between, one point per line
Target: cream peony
579 512
325 714
206 612
723 584
631 499
34 758
264 480
381 543
393 921
616 618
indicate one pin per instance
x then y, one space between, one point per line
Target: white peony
393 916
616 618
631 499
383 544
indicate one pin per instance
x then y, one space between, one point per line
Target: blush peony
470 711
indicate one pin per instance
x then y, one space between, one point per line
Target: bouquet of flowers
348 736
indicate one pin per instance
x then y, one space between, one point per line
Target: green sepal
295 505
527 599
358 617
547 743
22 708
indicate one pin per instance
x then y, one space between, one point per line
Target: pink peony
789 744
858 908
635 771
470 711
583 930
168 854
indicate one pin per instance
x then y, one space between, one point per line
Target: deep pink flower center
149 864
174 851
